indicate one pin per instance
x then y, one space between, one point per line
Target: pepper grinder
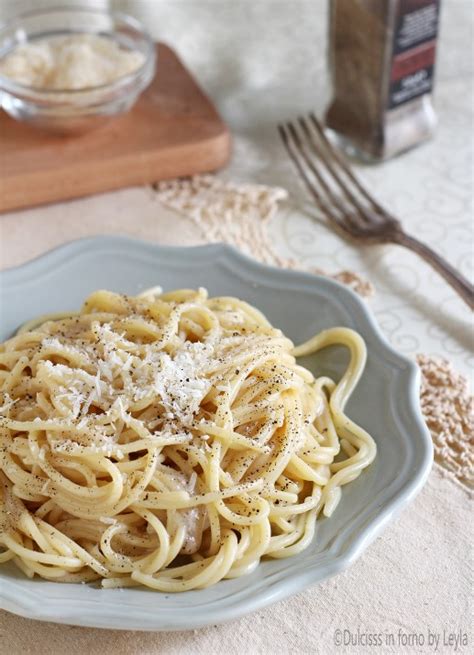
382 58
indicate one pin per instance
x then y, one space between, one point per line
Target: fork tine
318 147
297 162
309 163
340 160
330 199
353 218
320 202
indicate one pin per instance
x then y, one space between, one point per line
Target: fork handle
453 277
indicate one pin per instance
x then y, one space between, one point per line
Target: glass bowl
79 110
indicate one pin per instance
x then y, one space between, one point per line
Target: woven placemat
239 214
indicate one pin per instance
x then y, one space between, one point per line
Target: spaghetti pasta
169 440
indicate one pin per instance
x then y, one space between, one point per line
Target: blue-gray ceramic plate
385 403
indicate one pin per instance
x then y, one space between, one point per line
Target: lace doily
239 214
448 408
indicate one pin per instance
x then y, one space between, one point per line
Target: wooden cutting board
172 131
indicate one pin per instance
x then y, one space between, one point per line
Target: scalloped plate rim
83 611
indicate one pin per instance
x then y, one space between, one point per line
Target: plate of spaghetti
178 455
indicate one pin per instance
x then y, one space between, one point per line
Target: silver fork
348 205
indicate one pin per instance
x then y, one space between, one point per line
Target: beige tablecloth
262 61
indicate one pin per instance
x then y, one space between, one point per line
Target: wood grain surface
172 131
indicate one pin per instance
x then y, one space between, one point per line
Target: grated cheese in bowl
69 70
77 61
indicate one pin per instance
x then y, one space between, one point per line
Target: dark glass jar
382 56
